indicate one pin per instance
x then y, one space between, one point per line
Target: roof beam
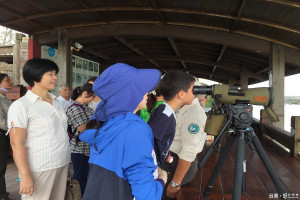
128 45
221 53
195 60
175 49
174 46
218 59
95 53
134 49
238 14
183 64
12 11
194 34
154 5
86 6
35 5
263 70
154 63
82 4
285 2
19 15
158 10
214 28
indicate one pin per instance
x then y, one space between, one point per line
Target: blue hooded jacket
122 158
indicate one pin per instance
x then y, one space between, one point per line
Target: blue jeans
81 169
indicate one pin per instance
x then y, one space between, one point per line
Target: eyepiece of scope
202 90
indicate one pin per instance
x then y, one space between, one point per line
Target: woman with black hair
78 115
5 86
38 134
154 100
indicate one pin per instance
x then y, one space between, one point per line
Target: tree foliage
7 36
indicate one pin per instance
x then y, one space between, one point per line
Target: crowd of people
129 133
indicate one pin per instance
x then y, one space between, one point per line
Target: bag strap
78 105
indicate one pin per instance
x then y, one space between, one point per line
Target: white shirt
189 136
65 104
47 141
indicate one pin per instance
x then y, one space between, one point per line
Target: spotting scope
234 95
232 113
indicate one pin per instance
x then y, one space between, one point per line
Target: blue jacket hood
121 88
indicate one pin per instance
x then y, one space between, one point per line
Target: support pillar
278 73
34 50
16 59
63 58
244 78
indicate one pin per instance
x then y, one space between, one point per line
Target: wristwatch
174 184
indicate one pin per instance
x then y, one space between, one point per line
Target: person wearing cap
188 142
122 159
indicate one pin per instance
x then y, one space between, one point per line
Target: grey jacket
4 105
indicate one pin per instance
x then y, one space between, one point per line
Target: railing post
295 124
264 119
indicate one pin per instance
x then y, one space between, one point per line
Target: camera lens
202 90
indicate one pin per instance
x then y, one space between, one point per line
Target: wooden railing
286 139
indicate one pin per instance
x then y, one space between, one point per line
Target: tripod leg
218 167
263 156
244 173
238 170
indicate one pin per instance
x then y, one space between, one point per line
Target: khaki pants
49 185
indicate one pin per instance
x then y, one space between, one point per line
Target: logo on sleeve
193 128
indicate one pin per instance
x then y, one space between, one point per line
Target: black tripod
239 117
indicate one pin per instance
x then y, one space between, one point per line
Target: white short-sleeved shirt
65 104
47 141
189 136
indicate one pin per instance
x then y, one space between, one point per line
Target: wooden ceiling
211 39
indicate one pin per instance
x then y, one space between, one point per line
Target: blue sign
51 52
